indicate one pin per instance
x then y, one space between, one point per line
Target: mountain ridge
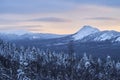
85 34
84 31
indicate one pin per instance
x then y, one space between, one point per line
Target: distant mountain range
21 34
85 34
88 39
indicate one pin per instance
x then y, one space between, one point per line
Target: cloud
24 27
32 26
49 6
55 15
50 19
33 6
110 3
101 18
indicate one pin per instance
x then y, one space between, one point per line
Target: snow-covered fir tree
26 63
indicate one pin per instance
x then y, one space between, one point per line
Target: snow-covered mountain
14 32
85 31
85 34
22 34
112 36
88 34
41 36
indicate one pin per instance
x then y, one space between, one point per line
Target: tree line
20 63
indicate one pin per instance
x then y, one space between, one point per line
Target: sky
59 16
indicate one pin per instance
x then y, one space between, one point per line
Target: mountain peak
85 31
87 27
